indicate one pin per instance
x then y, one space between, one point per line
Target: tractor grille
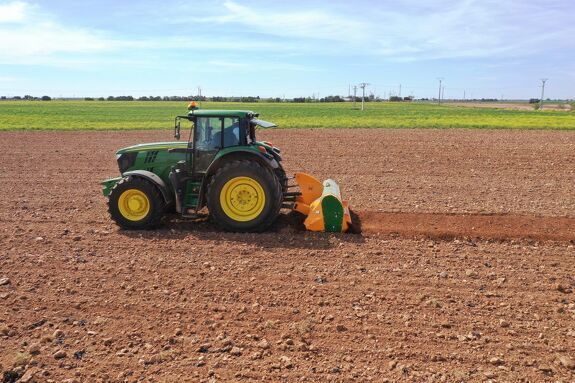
151 157
126 161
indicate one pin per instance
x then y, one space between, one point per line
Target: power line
362 86
439 96
543 81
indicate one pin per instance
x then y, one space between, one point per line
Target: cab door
207 141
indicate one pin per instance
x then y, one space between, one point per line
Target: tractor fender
267 161
155 179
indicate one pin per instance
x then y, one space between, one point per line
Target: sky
480 48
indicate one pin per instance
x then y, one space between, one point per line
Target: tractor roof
221 113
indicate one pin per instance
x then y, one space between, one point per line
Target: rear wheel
244 196
135 203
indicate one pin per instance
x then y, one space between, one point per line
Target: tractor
222 166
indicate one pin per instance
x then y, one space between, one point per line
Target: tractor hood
153 146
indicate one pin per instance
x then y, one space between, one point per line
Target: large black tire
147 195
268 182
282 179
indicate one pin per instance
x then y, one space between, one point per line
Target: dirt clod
567 362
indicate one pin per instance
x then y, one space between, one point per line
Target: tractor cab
216 132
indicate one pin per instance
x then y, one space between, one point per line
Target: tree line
250 99
27 97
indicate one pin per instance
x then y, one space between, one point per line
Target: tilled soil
470 226
465 269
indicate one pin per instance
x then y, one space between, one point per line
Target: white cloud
13 12
402 30
471 29
28 36
409 29
45 38
306 23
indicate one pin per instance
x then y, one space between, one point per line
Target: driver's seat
230 138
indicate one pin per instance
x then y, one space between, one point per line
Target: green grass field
111 115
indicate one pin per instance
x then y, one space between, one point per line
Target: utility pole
200 95
464 95
362 86
354 94
439 97
543 81
399 90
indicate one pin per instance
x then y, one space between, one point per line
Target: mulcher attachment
321 203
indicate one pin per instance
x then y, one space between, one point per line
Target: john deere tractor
221 166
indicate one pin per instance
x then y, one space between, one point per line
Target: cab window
231 132
206 130
217 132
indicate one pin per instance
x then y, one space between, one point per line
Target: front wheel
135 203
244 196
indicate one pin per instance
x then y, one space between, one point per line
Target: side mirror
177 129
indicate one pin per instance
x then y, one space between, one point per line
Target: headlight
126 161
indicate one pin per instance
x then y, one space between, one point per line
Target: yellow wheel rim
134 204
242 199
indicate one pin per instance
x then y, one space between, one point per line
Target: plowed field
464 269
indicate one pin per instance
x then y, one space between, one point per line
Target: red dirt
449 226
187 303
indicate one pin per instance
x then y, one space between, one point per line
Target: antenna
362 86
439 97
543 81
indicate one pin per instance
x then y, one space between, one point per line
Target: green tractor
221 166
